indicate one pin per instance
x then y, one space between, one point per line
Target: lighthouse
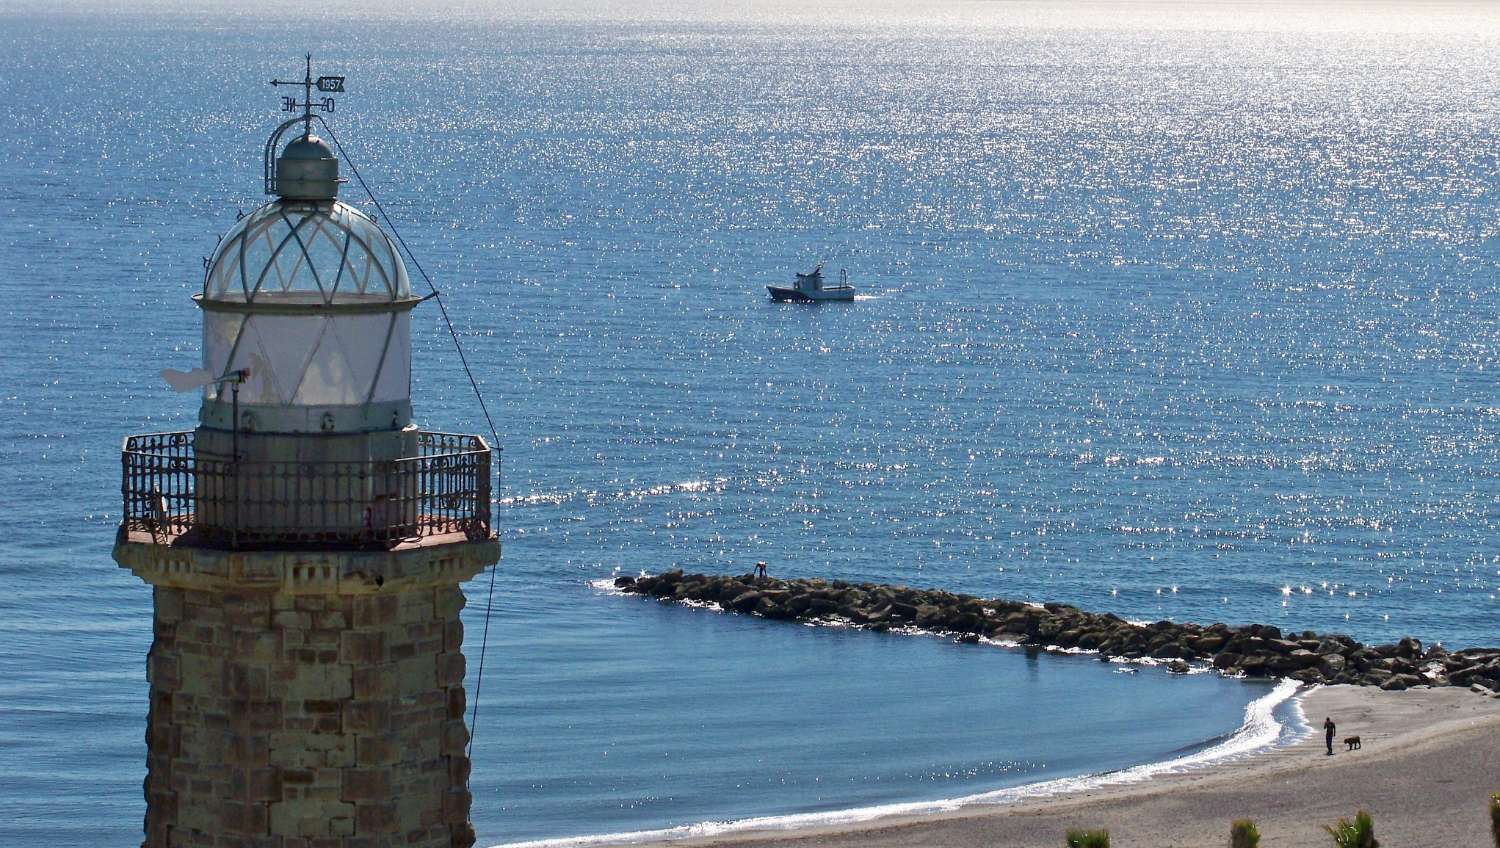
306 542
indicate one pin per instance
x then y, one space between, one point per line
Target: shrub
1359 833
1495 817
1242 834
1088 839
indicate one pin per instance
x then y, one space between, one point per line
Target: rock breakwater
1252 650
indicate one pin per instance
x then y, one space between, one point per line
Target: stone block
366 784
453 635
311 603
244 680
375 817
456 804
246 610
458 770
250 749
163 671
423 743
341 754
367 717
401 649
417 607
450 669
237 817
417 675
163 738
169 604
455 737
263 784
292 619
374 681
320 637
450 601
376 610
320 682
362 647
373 750
260 646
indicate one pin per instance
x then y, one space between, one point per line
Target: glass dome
306 252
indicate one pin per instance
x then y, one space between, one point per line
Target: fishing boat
809 288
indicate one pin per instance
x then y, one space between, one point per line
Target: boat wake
1272 719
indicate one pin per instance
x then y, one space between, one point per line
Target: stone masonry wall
281 720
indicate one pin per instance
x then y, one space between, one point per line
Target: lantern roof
292 252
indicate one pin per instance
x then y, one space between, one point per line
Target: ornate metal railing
171 491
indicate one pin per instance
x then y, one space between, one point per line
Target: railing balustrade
169 491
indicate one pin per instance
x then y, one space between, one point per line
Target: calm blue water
1189 316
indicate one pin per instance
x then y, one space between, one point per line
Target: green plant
1359 833
1088 839
1242 834
1495 817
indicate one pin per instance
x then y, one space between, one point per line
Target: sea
1171 310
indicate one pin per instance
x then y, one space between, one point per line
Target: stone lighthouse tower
305 545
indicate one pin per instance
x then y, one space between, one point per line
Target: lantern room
310 299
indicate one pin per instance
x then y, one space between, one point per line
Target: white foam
1259 730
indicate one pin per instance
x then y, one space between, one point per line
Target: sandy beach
1429 760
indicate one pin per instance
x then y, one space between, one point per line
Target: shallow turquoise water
1192 323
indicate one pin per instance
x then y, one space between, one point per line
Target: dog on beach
1352 742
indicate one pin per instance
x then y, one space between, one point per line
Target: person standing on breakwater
1328 731
760 572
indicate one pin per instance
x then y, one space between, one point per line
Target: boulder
745 601
929 616
1254 666
1397 682
1170 650
624 581
903 610
965 622
1330 646
1307 675
1178 667
1304 658
1278 664
853 613
821 607
1209 643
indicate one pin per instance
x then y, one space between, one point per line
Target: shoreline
1272 720
1424 772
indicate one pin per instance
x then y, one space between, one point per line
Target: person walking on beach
1328 730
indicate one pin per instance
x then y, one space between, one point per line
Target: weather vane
307 105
